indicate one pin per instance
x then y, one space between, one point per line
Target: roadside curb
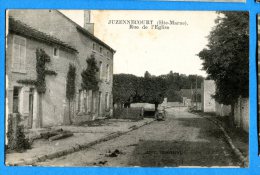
238 153
76 147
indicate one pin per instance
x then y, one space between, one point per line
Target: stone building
22 42
82 44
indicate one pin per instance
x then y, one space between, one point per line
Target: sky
156 51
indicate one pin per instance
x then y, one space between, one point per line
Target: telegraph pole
196 93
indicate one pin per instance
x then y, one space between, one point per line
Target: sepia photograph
127 88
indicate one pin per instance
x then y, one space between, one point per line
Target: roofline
45 38
84 31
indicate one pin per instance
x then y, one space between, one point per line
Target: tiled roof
23 29
84 31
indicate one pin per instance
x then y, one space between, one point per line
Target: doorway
30 118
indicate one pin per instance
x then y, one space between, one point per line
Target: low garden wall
128 113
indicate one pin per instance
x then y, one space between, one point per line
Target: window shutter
22 54
100 71
16 55
25 100
19 54
108 101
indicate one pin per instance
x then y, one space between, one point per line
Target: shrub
15 135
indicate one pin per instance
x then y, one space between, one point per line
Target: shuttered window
108 73
107 100
100 70
19 54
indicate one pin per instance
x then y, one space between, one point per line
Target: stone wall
128 113
223 110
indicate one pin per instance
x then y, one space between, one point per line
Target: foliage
16 137
173 95
226 59
129 88
41 59
70 86
154 90
89 75
147 75
124 88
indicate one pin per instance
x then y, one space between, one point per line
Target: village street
183 139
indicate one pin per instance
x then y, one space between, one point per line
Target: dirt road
183 139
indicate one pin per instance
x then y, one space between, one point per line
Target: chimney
87 25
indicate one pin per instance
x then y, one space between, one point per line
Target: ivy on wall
89 75
70 86
41 59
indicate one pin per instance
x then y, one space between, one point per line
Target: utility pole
191 100
196 93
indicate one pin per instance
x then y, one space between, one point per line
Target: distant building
190 96
72 44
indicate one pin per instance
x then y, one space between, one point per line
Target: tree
147 74
226 58
70 86
173 95
124 88
89 75
154 90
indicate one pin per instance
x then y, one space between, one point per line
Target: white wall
208 102
223 110
241 113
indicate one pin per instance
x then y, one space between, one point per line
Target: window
108 72
94 46
55 52
19 54
99 103
16 100
80 101
100 70
107 100
87 106
100 50
94 102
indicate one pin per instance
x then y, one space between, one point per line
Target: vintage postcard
122 88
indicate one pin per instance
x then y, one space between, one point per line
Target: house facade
22 44
87 105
